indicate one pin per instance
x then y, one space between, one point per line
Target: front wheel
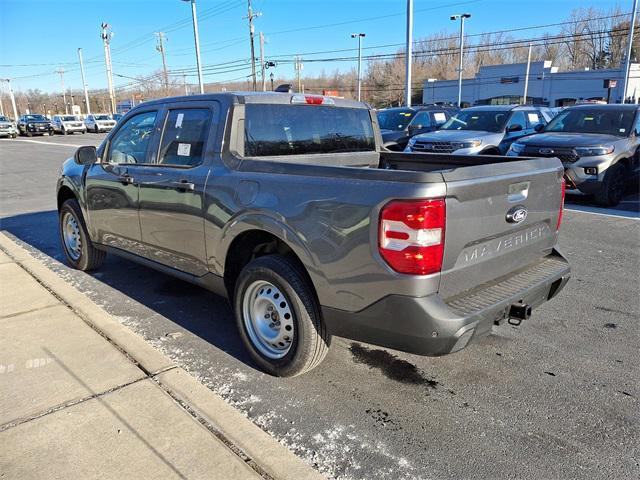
76 244
612 188
279 318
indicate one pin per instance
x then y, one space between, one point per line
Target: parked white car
66 124
99 122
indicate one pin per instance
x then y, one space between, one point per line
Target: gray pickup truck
288 205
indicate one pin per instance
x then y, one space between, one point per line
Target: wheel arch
247 241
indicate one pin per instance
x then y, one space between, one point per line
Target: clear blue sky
46 33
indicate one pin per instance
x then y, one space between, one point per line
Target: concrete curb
255 445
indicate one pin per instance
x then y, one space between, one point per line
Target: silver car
99 122
66 124
485 130
597 144
7 127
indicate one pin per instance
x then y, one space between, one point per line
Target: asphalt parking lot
557 397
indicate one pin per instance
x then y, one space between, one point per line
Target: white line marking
605 212
45 143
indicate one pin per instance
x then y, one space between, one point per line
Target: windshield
102 117
35 117
69 118
395 119
479 120
3 118
614 121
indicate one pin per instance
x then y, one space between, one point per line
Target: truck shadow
199 311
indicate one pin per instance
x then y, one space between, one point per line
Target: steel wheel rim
268 319
71 236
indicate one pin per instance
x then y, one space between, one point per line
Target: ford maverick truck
288 205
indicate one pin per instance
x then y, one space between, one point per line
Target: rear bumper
435 326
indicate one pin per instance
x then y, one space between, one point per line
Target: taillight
563 188
411 238
312 100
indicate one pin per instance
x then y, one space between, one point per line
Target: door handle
184 185
125 179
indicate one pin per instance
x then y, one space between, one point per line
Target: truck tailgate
481 242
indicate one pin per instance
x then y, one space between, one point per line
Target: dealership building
504 84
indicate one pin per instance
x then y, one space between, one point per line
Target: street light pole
526 77
462 18
84 83
359 36
409 56
196 38
629 48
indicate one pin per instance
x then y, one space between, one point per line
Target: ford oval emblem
517 214
546 151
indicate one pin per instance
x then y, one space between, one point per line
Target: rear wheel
76 244
96 129
278 317
612 188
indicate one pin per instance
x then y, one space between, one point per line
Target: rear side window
535 118
306 129
184 137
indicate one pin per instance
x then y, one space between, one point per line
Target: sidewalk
81 396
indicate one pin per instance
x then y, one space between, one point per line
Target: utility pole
13 100
262 64
359 36
160 48
84 83
629 49
462 18
526 77
106 39
298 67
184 81
251 16
409 56
60 72
1 105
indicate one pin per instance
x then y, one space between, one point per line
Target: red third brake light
563 188
411 237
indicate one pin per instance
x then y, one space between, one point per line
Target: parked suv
487 130
33 124
100 122
66 124
597 144
7 127
398 125
288 205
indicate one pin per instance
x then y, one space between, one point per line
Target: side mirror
413 129
86 155
539 127
516 127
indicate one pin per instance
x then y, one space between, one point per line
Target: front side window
129 145
184 137
272 130
535 118
422 119
517 118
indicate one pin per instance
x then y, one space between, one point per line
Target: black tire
612 188
64 131
96 129
90 257
311 340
